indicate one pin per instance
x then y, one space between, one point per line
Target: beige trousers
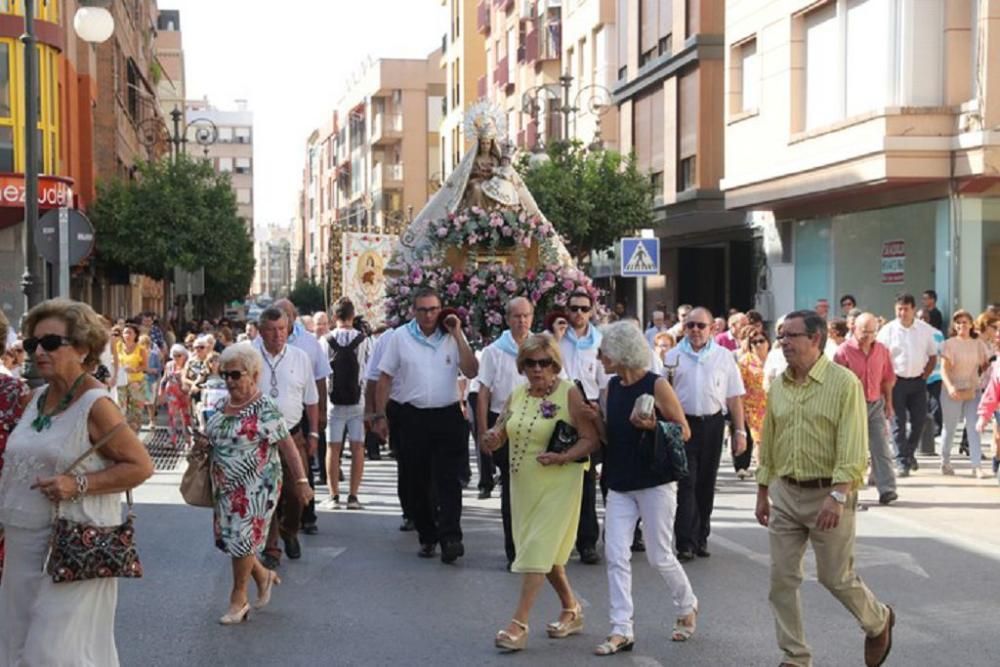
792 525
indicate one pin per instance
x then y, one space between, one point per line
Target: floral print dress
755 398
178 405
246 474
14 393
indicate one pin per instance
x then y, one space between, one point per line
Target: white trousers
656 507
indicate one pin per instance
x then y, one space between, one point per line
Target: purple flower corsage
548 409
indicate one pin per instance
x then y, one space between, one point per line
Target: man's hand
312 444
829 514
304 493
739 443
763 509
889 412
381 427
453 325
490 441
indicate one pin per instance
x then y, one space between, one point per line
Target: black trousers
435 448
588 530
392 417
696 492
501 459
309 511
486 463
742 462
909 402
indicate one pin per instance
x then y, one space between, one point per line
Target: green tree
171 215
307 296
593 198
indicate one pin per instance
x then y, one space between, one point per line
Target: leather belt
821 483
703 418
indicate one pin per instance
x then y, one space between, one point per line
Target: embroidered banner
365 257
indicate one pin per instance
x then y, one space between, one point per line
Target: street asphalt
360 596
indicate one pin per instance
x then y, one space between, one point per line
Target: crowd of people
275 403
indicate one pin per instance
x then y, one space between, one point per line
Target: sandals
561 629
683 632
509 642
613 644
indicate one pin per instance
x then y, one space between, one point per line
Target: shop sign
53 192
893 262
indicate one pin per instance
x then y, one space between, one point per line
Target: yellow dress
544 500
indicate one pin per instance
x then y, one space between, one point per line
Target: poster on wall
893 262
365 257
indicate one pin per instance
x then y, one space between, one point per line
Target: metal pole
29 283
566 81
64 252
176 139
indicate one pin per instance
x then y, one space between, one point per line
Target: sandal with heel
614 644
683 632
509 642
561 629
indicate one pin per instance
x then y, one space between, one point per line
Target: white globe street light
93 24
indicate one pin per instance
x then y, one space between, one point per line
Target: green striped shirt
815 430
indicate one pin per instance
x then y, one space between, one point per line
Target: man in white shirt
498 378
659 326
677 331
435 440
914 354
579 352
287 377
321 324
708 383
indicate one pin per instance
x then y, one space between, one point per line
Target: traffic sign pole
64 252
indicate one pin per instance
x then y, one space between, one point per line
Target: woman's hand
551 458
982 423
491 441
304 492
56 489
647 423
685 431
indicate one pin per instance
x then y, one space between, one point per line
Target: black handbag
564 436
664 453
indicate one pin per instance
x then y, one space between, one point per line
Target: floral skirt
132 400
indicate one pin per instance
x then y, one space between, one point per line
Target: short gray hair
273 314
516 300
625 345
245 355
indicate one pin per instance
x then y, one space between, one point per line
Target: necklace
44 421
274 369
237 406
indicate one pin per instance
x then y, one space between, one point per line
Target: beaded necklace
44 421
523 430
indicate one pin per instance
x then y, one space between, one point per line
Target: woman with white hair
636 492
245 434
173 394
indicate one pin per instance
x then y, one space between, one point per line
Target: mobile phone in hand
579 386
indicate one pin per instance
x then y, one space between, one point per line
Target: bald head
865 329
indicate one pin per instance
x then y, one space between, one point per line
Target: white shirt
498 373
910 348
651 334
306 342
703 385
774 365
584 366
428 376
371 370
295 382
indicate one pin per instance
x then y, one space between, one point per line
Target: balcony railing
501 74
531 47
386 127
483 17
387 176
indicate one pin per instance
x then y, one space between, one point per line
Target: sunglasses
537 363
695 325
758 341
49 343
427 311
579 309
231 375
789 336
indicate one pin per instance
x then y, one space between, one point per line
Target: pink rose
453 289
511 286
442 232
491 291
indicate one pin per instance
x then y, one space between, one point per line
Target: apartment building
589 57
463 60
669 90
232 152
878 122
377 157
273 254
168 69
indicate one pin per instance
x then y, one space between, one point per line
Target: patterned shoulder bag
79 551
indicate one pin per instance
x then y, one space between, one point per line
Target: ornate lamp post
595 98
154 131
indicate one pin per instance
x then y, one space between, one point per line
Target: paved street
360 596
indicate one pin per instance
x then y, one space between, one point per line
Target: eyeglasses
537 363
199 347
696 325
788 336
49 343
231 375
579 309
428 311
758 341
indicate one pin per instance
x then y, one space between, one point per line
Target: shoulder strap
100 443
356 341
332 342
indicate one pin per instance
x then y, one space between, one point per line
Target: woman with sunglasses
245 434
754 348
964 357
45 623
173 394
14 396
134 360
546 487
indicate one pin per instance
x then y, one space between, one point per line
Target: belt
443 408
915 377
821 483
703 418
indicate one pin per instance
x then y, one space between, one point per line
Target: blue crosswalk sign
640 257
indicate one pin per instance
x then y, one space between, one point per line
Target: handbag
564 436
665 456
80 551
196 483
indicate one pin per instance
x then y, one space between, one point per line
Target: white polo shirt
584 366
427 375
307 342
704 382
910 348
375 358
498 372
296 386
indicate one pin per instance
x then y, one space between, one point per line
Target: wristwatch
839 496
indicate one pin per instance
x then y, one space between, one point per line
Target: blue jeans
952 411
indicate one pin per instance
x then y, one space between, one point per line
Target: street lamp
154 131
93 23
595 98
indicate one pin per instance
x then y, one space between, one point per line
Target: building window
646 57
665 45
242 165
225 164
687 131
686 174
621 26
745 77
656 179
245 196
242 135
226 135
132 98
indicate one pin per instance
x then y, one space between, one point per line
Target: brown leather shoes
877 648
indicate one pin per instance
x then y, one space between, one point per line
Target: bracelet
302 480
740 431
314 434
378 415
82 484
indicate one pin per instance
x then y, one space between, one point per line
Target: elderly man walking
435 443
869 360
498 378
808 477
708 383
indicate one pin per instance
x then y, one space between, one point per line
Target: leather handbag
564 436
196 483
80 551
665 455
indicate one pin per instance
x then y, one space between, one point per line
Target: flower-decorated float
481 241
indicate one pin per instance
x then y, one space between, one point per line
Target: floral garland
494 230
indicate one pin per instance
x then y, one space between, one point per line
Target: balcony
387 177
501 74
387 128
483 17
531 47
550 47
481 87
504 5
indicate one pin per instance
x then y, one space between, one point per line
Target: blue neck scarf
433 341
591 340
507 343
701 355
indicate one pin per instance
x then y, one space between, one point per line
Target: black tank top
624 468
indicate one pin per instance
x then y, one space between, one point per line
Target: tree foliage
307 296
592 197
175 215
